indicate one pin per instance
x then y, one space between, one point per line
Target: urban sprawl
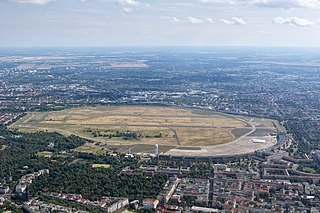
44 172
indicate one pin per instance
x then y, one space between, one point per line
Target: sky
103 23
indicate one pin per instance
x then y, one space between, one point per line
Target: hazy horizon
126 23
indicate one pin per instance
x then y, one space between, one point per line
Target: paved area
242 145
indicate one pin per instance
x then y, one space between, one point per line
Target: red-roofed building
150 203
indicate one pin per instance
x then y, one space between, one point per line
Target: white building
255 140
21 188
156 149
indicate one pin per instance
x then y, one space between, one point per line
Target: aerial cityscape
133 125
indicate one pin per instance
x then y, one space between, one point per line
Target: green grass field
62 156
154 125
105 166
45 153
168 127
310 170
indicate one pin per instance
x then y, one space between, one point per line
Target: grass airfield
138 128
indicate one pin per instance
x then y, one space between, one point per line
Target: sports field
130 126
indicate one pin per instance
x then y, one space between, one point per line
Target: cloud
234 21
189 19
41 2
286 3
128 5
294 21
128 2
269 3
219 1
210 20
226 21
194 20
170 18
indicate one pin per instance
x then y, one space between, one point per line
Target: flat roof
255 140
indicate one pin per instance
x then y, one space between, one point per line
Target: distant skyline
63 23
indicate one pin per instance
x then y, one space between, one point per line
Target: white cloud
194 20
269 3
279 20
219 1
234 21
294 21
238 21
286 3
210 20
31 1
226 21
128 2
190 19
170 18
128 5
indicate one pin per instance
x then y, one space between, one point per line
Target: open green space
105 166
45 153
138 128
